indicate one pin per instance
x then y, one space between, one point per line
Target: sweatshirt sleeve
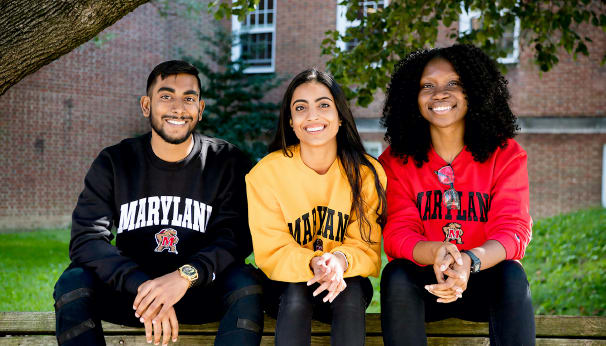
276 252
363 258
227 229
90 245
403 229
509 220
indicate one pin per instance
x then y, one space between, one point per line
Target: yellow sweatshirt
290 206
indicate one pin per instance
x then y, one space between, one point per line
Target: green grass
565 264
30 264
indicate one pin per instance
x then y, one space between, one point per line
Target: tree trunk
35 32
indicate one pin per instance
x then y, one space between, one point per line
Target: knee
241 281
73 279
295 299
358 293
397 278
514 282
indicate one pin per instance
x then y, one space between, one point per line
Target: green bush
236 109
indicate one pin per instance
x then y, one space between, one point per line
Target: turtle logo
167 240
453 231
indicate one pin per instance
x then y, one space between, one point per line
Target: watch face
188 270
476 267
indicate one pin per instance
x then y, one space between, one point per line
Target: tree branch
33 33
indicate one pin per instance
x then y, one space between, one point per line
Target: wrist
471 261
343 260
182 279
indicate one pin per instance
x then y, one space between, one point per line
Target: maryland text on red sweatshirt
494 202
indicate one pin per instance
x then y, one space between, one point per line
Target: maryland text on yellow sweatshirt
290 207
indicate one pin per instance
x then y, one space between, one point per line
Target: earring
290 122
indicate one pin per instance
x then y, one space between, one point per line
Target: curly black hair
489 121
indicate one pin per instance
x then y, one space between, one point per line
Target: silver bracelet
346 263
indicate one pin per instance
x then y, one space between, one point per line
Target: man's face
173 107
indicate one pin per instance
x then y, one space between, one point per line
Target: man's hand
156 297
456 283
328 271
165 328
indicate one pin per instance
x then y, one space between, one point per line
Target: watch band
476 264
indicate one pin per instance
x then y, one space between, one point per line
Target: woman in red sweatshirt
457 200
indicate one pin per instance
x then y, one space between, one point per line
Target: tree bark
35 32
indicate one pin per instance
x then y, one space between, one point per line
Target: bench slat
126 340
546 326
40 340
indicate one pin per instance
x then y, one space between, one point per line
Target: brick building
54 122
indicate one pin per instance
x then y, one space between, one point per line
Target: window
255 41
366 7
471 20
373 148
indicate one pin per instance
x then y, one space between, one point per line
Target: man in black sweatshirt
178 202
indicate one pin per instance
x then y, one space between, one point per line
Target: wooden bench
37 328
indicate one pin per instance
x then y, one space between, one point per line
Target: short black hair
172 67
489 121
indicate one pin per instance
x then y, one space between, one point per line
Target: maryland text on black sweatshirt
166 214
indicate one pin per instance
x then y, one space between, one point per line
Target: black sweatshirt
166 213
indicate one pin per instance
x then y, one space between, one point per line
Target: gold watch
190 273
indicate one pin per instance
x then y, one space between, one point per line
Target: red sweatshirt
494 202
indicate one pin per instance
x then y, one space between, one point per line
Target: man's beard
158 129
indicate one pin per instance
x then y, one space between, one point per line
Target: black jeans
82 301
499 295
295 306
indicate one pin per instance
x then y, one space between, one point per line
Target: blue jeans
499 295
82 301
295 306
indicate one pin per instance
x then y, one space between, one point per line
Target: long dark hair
489 121
350 150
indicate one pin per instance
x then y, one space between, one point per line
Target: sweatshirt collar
159 163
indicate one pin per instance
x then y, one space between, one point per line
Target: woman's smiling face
314 116
442 100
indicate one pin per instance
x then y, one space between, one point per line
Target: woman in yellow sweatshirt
316 208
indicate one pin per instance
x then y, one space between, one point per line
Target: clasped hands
328 272
153 306
452 273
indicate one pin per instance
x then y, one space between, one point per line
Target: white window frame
371 146
237 30
343 23
465 20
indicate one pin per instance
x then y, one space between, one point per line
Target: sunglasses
451 196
